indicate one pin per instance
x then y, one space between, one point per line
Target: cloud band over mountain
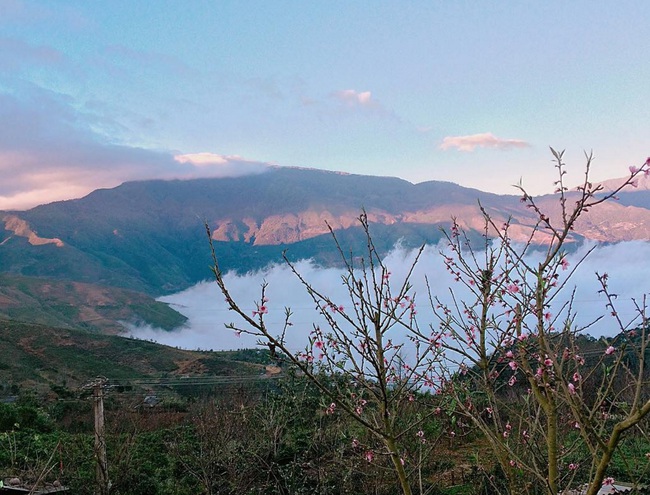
208 313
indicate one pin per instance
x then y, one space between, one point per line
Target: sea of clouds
626 264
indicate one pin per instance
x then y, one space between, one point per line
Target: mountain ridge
149 236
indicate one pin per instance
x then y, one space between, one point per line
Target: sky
93 94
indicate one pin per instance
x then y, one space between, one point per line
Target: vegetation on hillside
46 359
267 436
67 304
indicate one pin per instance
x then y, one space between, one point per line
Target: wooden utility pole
103 483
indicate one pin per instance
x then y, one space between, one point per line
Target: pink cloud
485 140
353 98
17 54
204 158
49 151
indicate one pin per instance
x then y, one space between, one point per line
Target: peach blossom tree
355 353
515 355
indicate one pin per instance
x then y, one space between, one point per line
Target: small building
613 489
16 486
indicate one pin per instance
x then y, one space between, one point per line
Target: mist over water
626 264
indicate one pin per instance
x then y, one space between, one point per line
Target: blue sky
96 93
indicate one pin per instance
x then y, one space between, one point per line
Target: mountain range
149 236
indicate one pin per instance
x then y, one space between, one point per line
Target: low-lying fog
625 263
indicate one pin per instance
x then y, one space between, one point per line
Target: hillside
44 357
149 236
69 304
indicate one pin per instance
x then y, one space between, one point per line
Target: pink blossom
608 481
548 362
513 463
572 388
547 316
369 455
510 355
512 288
577 377
634 183
319 344
513 365
330 409
610 350
573 467
512 381
633 169
564 263
355 443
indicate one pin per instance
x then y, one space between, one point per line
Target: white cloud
485 140
208 312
